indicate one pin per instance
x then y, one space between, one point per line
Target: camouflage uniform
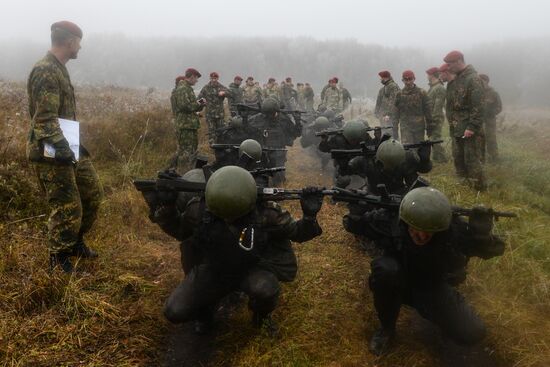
74 192
214 105
465 111
332 99
272 91
385 105
234 97
437 94
301 98
308 97
185 108
413 113
289 96
492 107
346 98
252 95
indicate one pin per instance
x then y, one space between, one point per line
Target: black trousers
203 288
441 303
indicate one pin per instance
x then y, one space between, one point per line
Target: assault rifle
463 212
236 147
366 150
422 144
329 132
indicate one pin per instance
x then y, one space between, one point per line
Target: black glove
424 152
63 152
311 201
481 220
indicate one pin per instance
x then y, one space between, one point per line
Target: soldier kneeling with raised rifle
239 241
426 251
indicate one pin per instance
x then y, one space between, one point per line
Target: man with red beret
492 107
412 111
385 102
71 185
465 96
185 107
252 94
436 94
235 95
445 74
331 96
214 93
272 90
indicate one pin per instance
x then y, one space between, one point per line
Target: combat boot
381 340
81 250
265 322
63 260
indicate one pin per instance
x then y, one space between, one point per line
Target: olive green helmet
252 149
270 105
391 154
426 209
320 123
194 175
354 131
236 121
231 192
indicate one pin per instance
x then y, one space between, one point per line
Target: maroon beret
69 27
384 74
432 71
190 72
444 68
270 80
484 77
453 56
179 78
408 74
214 75
335 79
288 79
238 77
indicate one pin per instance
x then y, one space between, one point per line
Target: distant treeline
519 70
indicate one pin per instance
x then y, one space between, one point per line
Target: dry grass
112 316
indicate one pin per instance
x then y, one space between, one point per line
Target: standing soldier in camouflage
308 97
465 114
252 95
300 96
492 107
272 90
214 93
185 108
289 95
412 111
332 97
385 102
346 97
72 187
436 94
235 95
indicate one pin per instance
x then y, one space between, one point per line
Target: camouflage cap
67 26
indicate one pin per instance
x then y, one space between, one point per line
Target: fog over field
138 44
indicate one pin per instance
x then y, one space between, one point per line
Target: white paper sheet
71 132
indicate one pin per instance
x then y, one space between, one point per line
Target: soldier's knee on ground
467 328
178 308
385 274
262 285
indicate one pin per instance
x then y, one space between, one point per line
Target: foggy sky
429 24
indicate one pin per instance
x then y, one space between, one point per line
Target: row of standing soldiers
471 106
